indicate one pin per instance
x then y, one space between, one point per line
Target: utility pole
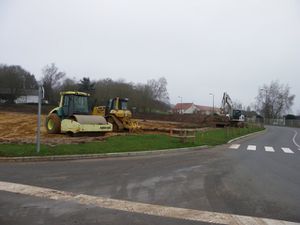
213 101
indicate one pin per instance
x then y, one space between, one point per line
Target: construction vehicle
117 113
235 116
73 116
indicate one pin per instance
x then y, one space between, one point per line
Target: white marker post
38 133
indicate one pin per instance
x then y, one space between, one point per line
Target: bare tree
274 100
236 104
69 85
51 81
159 89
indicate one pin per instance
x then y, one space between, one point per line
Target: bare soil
20 127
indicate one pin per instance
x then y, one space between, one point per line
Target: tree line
13 81
272 101
150 97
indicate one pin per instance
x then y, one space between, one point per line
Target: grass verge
127 143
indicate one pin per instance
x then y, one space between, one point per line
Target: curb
247 135
98 156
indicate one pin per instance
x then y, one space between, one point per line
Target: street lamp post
266 99
180 104
213 101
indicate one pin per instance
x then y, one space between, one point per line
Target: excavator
234 116
73 116
117 113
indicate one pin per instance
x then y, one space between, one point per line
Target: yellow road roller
73 116
118 114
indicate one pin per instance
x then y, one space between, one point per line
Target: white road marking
251 147
136 207
294 140
287 150
269 149
235 146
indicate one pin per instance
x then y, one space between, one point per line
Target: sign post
38 133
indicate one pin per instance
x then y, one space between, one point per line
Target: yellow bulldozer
73 116
117 113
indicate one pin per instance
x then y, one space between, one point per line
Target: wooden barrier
184 134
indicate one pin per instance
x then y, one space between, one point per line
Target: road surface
237 183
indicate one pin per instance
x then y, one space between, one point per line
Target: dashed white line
235 146
287 150
269 149
251 147
136 207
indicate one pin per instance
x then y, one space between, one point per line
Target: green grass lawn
222 136
128 143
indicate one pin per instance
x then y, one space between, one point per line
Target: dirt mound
189 120
164 126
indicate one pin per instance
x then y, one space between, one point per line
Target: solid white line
251 147
269 149
294 139
287 150
136 207
235 146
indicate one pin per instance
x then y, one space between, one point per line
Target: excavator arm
226 104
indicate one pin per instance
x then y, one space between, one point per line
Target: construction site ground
20 127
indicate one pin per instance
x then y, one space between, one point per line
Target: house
28 96
25 95
191 108
185 108
207 110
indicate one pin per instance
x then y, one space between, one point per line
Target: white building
185 108
191 108
28 96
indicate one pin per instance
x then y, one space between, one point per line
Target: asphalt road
258 177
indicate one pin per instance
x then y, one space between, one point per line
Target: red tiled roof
182 106
202 107
185 106
206 108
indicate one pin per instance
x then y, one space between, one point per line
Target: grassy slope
127 143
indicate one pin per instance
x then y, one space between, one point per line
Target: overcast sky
200 47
